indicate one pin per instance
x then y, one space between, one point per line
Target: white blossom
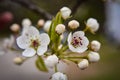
15 27
93 56
33 42
74 24
26 22
41 22
83 64
95 45
78 42
18 60
59 76
65 12
92 24
60 28
9 42
47 25
51 61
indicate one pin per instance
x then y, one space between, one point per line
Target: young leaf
41 65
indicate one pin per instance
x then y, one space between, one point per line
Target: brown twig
76 6
28 4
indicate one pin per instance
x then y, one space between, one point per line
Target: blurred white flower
33 42
18 60
41 22
78 42
95 45
92 24
59 76
15 27
83 64
93 56
9 42
73 24
26 22
65 12
60 28
47 25
51 61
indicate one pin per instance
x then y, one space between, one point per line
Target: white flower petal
77 49
23 42
44 39
69 38
78 34
32 32
41 50
59 76
29 52
85 41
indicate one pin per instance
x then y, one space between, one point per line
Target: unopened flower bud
93 56
18 60
51 61
83 64
92 24
47 25
65 12
15 27
73 24
26 22
95 45
59 76
41 22
60 28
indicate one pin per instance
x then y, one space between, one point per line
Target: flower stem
56 70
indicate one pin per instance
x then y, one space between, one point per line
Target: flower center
76 42
35 44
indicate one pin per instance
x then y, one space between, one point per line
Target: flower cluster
57 43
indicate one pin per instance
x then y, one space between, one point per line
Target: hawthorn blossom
73 24
92 24
93 56
33 42
95 45
78 42
15 27
26 22
9 42
59 76
60 28
47 25
65 12
51 61
83 64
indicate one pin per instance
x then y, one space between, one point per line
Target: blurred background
107 12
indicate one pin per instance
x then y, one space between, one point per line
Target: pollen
76 42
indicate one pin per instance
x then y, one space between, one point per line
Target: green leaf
41 65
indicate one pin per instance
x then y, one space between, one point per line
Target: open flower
78 42
51 61
59 76
33 42
92 24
